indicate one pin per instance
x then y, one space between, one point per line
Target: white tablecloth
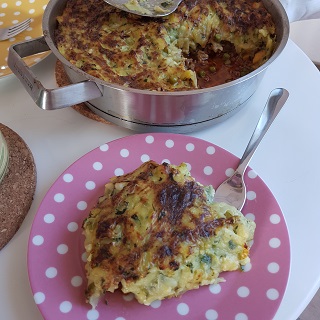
58 138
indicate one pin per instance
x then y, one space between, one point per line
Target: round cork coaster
62 81
17 187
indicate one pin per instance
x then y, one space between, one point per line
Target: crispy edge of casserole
157 233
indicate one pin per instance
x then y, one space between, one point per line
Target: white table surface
287 160
303 34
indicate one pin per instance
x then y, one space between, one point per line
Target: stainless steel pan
140 110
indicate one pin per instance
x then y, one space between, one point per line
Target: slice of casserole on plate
157 233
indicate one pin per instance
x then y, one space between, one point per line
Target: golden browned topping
157 233
202 44
243 15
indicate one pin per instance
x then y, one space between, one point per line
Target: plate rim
166 135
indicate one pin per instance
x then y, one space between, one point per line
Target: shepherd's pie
202 44
156 233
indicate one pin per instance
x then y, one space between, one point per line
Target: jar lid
4 157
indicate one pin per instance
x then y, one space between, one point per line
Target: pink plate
56 253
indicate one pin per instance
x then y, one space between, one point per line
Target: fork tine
18 28
22 23
12 31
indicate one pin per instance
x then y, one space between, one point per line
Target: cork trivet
17 187
62 81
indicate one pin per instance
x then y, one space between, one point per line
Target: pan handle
47 99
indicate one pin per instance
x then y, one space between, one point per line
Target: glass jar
4 157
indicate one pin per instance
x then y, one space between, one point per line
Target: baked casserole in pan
203 44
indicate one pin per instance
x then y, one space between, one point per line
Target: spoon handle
275 102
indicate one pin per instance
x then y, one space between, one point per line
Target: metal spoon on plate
233 190
148 8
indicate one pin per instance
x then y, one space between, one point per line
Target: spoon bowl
147 8
233 190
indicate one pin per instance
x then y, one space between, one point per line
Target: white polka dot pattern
51 272
104 147
82 205
211 314
37 240
128 297
65 306
39 297
49 218
243 292
73 226
183 309
56 254
156 304
190 147
76 281
68 177
169 143
93 315
62 249
97 166
13 12
215 288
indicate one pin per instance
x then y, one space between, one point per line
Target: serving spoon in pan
233 190
147 8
